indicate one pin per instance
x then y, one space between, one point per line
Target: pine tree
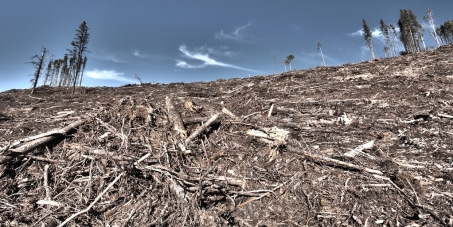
79 45
318 47
445 32
56 71
368 36
289 59
285 63
48 72
83 69
63 71
429 19
38 64
394 39
411 32
387 39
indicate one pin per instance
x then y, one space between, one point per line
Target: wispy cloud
114 58
137 53
315 58
205 59
376 33
237 35
108 75
108 57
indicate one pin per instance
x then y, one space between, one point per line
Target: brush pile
363 144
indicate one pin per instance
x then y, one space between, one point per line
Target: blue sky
200 40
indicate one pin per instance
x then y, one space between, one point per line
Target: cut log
52 137
175 118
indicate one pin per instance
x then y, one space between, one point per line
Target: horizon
206 41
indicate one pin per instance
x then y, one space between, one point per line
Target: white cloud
138 54
108 57
114 58
237 35
204 58
109 75
376 33
315 58
184 64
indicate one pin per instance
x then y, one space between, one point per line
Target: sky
200 40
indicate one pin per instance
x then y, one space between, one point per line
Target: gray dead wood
94 202
175 118
331 161
201 128
39 141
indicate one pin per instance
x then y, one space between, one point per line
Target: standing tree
411 32
445 32
289 59
385 32
285 62
55 72
64 71
318 47
79 45
38 63
368 36
48 73
394 39
83 69
429 19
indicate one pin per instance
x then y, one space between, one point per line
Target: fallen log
331 161
175 118
48 138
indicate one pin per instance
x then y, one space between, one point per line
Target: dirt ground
367 144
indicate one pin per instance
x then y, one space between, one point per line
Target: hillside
367 144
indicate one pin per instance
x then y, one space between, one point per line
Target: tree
83 69
79 45
285 62
57 64
368 36
288 60
385 32
139 79
445 32
394 39
411 32
38 63
429 19
64 71
48 72
318 47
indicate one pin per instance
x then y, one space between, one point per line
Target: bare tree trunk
41 61
423 42
322 55
372 51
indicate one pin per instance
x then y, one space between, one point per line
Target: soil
366 144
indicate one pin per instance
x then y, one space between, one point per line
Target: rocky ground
366 144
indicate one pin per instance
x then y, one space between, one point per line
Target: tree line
68 70
410 34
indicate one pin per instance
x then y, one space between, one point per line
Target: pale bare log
54 132
331 161
227 112
175 118
201 128
49 138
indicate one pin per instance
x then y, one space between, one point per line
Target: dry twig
94 202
